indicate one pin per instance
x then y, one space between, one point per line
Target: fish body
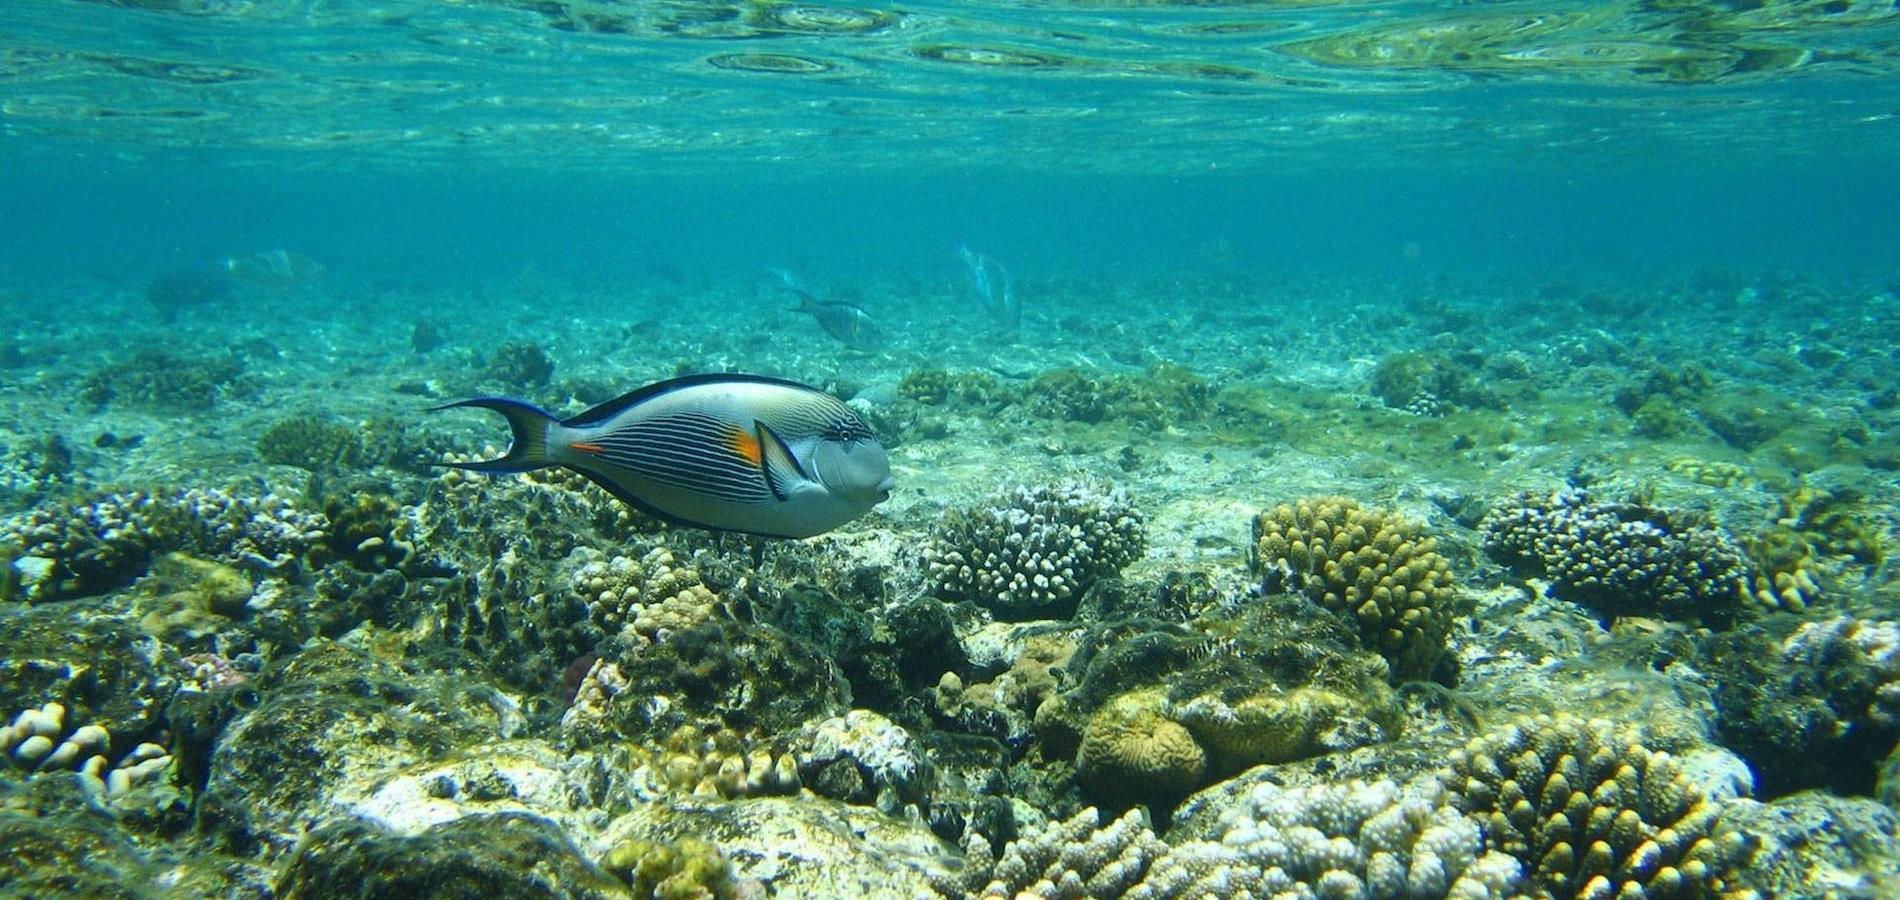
272 268
847 322
724 452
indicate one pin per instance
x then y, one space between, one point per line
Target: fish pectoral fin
781 468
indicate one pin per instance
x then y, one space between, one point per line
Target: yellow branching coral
1591 812
1369 566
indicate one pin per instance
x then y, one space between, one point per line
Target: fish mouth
885 487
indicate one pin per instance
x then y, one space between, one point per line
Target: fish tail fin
528 425
806 302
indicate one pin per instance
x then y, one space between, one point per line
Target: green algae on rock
475 857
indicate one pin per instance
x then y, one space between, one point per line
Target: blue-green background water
619 141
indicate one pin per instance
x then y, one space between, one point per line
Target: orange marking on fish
587 448
745 444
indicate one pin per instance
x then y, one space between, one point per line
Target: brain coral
1033 552
1132 753
1591 812
1370 567
1620 558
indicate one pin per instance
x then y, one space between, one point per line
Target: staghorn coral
1620 559
722 763
1591 812
1369 567
650 596
1034 551
39 741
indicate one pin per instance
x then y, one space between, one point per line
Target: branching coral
1033 552
1370 567
1351 840
1591 812
1066 860
1814 530
1621 558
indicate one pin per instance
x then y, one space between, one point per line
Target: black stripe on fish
685 450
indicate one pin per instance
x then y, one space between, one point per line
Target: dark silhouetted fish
272 268
725 452
848 322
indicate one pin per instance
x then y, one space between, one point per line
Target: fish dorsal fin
781 468
617 405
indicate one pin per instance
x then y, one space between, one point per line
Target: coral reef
39 740
157 380
1591 812
1341 840
1621 559
1816 706
723 763
1065 860
686 869
1429 383
938 387
506 855
1033 552
519 365
864 757
1369 567
1131 752
1815 530
649 597
313 443
105 540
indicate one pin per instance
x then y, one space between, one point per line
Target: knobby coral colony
696 695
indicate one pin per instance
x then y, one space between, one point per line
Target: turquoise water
1406 398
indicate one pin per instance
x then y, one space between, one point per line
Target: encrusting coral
1620 559
1591 812
1033 552
1370 567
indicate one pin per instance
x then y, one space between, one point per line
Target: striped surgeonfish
725 452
